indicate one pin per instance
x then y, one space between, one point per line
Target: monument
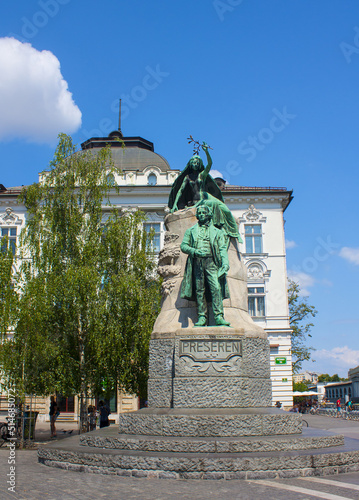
210 411
206 351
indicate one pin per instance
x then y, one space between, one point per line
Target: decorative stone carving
167 286
153 217
252 215
167 258
232 365
255 272
168 271
130 178
10 218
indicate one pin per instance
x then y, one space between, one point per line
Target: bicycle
4 433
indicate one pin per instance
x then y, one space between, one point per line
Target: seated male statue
206 267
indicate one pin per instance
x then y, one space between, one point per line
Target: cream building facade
144 183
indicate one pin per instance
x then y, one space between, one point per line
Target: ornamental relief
230 367
167 287
10 218
252 215
255 271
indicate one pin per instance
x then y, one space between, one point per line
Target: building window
152 179
253 237
111 180
10 232
256 306
153 229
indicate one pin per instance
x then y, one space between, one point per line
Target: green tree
90 294
325 377
299 312
8 291
301 386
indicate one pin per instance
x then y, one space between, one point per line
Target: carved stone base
209 368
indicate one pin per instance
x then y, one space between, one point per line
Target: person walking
53 413
339 406
104 413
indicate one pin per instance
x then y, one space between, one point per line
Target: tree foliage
325 377
301 386
89 292
299 312
8 292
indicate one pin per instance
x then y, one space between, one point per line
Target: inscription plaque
210 349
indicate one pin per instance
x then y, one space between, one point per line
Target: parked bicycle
4 433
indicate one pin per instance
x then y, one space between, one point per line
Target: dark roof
137 153
10 190
228 189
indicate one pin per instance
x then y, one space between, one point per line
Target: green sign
281 361
284 380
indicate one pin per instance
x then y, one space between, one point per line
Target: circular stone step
70 455
207 422
310 439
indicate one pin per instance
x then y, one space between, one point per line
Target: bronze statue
195 186
206 267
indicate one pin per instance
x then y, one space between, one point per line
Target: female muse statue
194 186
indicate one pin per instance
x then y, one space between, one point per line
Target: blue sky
271 85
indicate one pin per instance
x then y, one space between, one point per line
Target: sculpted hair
208 208
201 165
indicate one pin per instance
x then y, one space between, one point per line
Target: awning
305 393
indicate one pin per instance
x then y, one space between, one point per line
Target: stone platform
204 422
314 452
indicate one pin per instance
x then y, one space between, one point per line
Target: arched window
152 179
111 179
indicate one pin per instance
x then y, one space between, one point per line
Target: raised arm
209 160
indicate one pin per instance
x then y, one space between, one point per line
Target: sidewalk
349 428
63 430
35 481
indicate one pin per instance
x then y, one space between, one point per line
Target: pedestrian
350 405
53 413
338 407
92 418
104 413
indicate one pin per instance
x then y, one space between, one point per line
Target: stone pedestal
209 367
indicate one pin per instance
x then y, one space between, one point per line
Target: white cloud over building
305 281
35 101
343 357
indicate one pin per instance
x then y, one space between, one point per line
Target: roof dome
129 153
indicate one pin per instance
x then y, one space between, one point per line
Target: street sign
281 361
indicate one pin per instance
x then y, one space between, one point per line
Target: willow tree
8 291
90 294
299 312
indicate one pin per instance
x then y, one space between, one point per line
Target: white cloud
343 357
216 173
35 101
290 244
305 281
350 254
